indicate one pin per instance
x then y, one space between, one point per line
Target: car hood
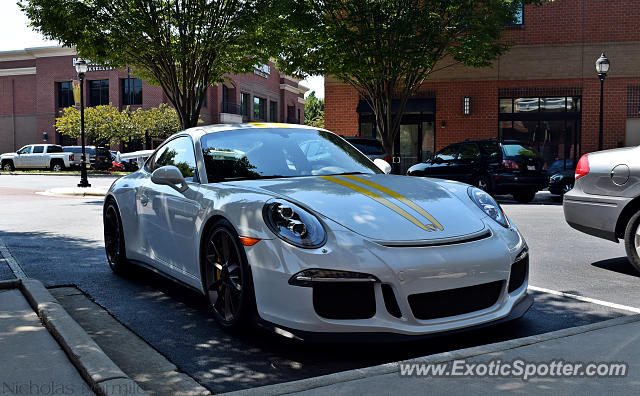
380 207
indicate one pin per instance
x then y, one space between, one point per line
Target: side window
54 149
25 150
491 150
38 149
179 153
469 151
448 153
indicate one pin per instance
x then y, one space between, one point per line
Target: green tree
314 111
386 49
182 45
108 124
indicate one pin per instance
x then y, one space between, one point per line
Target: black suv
498 167
98 157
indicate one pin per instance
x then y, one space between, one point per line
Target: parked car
497 167
97 157
605 201
241 214
134 160
370 147
561 176
37 156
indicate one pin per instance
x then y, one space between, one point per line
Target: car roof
207 129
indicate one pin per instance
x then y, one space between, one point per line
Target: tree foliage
182 45
314 111
106 123
386 49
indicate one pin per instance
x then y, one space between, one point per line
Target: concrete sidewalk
612 341
44 351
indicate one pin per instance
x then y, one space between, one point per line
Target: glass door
407 148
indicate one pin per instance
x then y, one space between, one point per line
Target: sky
16 34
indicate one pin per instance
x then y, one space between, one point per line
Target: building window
131 89
244 104
98 92
519 15
273 111
65 94
259 105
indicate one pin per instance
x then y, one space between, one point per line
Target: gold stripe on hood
381 200
397 196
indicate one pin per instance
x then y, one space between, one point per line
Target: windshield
272 153
519 150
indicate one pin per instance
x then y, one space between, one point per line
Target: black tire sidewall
120 266
247 299
629 240
524 196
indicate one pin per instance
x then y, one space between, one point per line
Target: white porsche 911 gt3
293 226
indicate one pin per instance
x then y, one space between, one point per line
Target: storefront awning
413 106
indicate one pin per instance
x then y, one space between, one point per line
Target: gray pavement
32 361
618 343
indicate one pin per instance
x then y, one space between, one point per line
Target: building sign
93 67
262 70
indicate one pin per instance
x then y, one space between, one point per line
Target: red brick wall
340 115
578 21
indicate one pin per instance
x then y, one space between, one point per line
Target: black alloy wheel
227 279
114 239
484 183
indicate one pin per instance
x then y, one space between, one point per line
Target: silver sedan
605 201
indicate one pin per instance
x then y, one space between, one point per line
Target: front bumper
406 271
595 215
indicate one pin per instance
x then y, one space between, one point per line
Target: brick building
36 83
545 89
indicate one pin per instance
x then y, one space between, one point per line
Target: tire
114 243
632 241
57 166
226 277
525 196
7 166
483 182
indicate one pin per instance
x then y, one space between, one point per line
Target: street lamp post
81 68
602 67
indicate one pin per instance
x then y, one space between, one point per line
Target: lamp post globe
81 69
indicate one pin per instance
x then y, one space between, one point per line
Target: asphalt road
58 240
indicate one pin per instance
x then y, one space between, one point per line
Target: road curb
97 369
73 192
388 368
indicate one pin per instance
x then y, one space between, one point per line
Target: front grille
519 271
344 300
444 303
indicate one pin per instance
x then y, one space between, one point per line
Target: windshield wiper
348 173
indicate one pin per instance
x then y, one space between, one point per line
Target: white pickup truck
37 156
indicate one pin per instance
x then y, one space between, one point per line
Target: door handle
144 200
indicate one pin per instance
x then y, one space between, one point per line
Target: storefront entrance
415 141
552 125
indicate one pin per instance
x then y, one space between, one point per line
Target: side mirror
383 165
437 160
170 176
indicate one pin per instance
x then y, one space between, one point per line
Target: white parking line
586 299
5 255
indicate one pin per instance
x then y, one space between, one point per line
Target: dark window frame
64 94
102 92
136 88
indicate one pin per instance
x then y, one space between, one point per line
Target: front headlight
488 205
293 224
